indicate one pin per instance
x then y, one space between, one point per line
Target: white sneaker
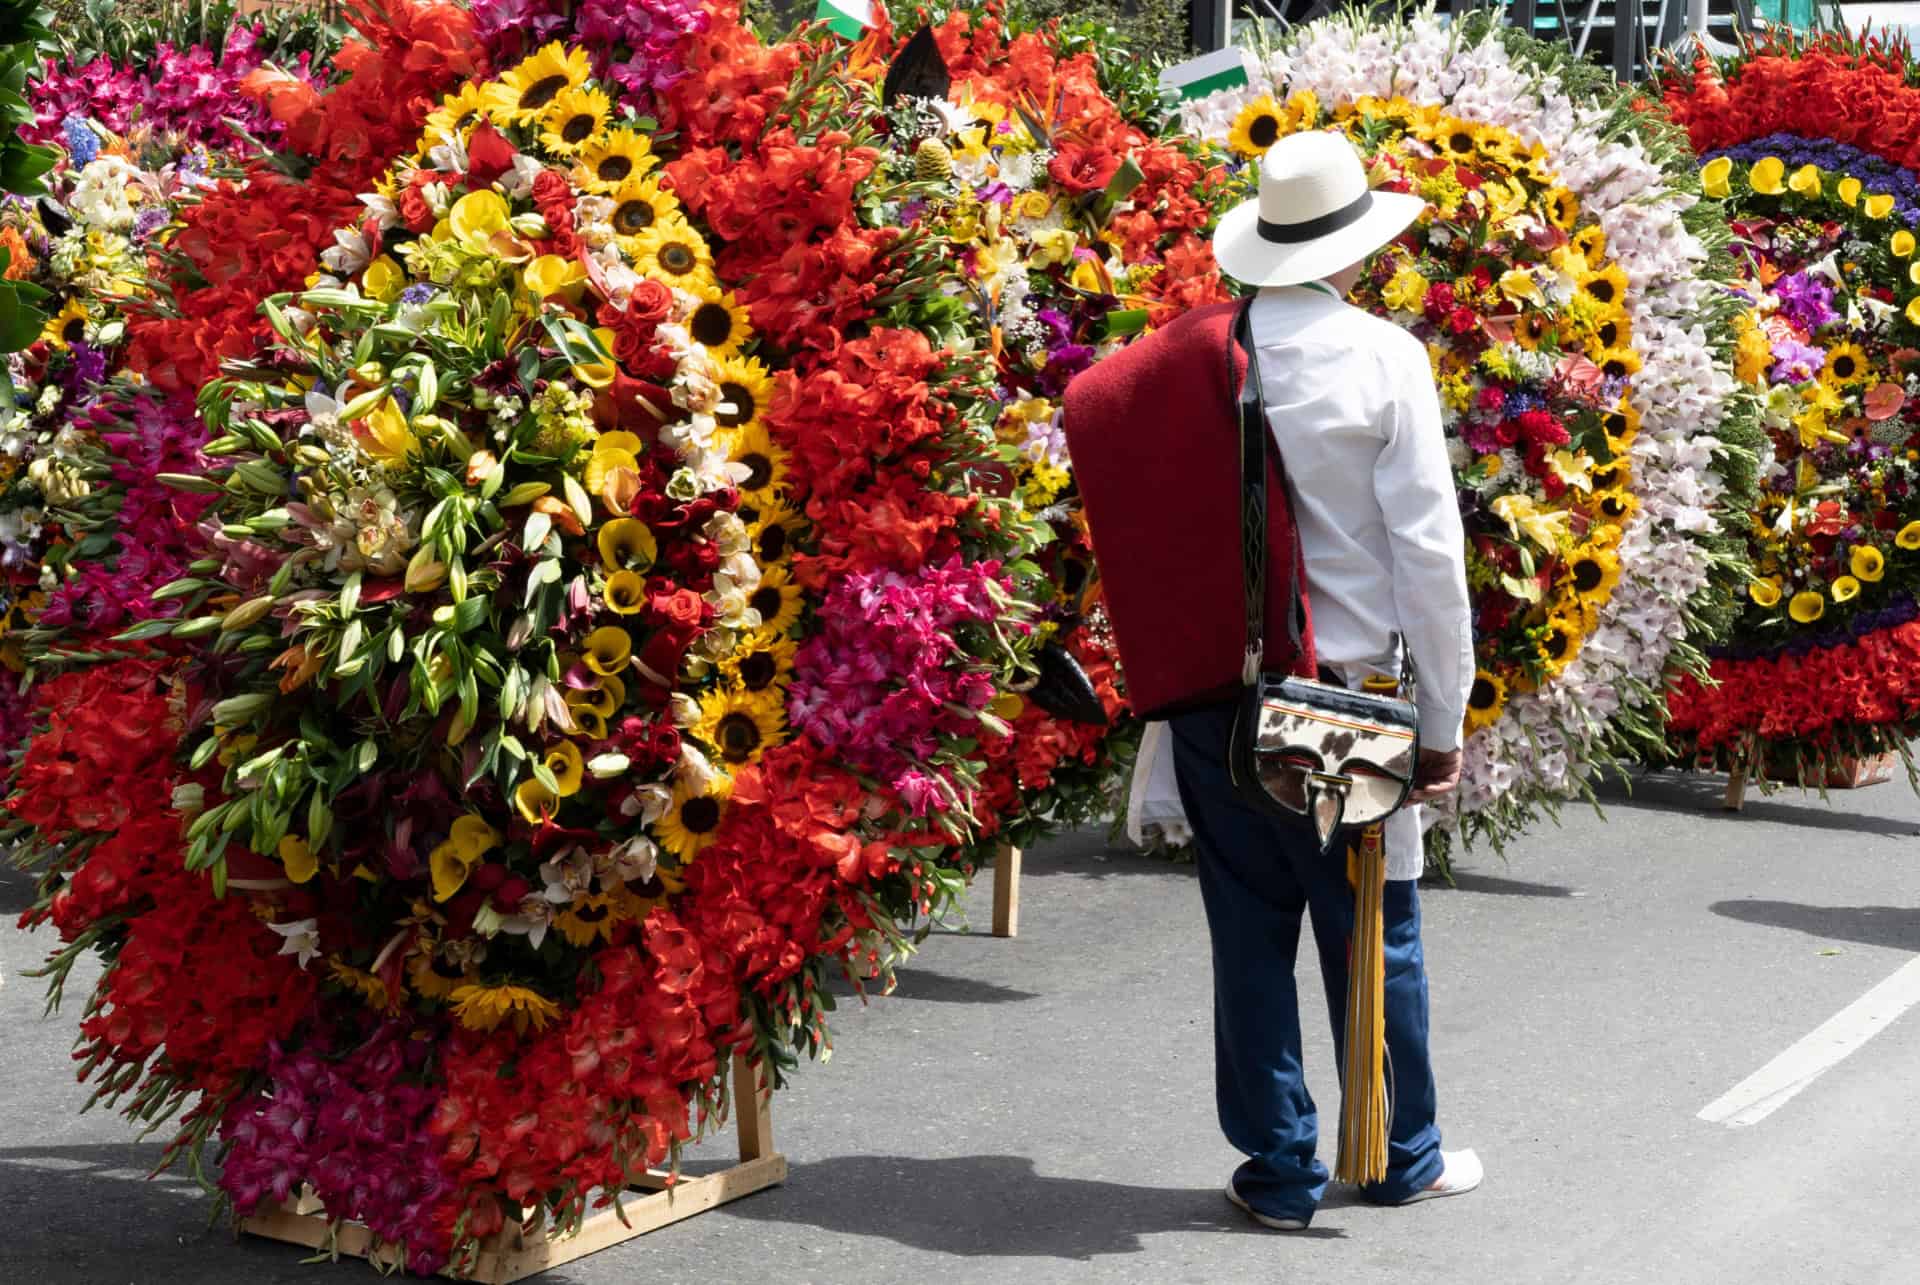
1461 1172
1265 1220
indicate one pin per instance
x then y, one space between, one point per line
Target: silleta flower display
1821 664
1563 283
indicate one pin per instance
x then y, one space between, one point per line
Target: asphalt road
1041 1109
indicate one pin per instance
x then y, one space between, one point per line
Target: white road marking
1768 1089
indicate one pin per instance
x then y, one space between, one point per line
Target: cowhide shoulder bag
1316 752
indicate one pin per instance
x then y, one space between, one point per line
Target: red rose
681 609
550 188
650 303
415 212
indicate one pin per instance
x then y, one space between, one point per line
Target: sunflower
1615 506
745 390
1485 700
775 528
1256 128
1617 363
1606 286
760 665
778 601
1620 425
1846 365
690 822
67 327
1591 242
1559 641
593 916
1533 329
369 987
575 119
673 252
639 204
1563 210
606 164
1611 328
458 112
1457 139
483 1008
523 95
718 323
1613 475
766 463
738 725
1593 571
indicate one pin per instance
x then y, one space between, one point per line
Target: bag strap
1252 405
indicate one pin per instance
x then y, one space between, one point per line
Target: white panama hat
1314 214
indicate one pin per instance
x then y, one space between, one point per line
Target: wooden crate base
1006 891
1847 774
518 1252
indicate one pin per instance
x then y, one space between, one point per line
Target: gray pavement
1040 1110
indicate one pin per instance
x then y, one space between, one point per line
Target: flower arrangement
1818 664
1564 280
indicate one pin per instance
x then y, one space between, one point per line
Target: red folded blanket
1154 431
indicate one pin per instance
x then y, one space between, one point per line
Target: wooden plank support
519 1252
1736 791
1006 891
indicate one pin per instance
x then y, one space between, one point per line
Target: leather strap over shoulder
1254 428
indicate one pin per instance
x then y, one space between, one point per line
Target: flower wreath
1563 281
1824 658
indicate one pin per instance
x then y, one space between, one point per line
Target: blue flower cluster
1876 173
1898 611
82 143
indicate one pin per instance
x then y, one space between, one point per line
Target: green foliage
129 30
22 167
1134 34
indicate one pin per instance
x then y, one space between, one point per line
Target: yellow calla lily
598 374
1806 180
1909 536
473 838
564 761
1849 190
1766 176
1901 244
1714 177
603 463
1877 206
1807 607
470 839
1867 562
626 592
1764 592
476 216
534 801
297 856
602 700
607 650
627 543
1913 310
550 275
1845 589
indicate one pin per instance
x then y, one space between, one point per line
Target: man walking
1353 412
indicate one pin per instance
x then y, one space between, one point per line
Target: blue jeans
1257 874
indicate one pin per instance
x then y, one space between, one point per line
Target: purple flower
1795 362
1805 301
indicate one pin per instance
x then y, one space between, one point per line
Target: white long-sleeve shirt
1351 402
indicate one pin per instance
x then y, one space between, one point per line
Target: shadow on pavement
1494 886
1702 796
1894 926
16 890
993 1207
938 988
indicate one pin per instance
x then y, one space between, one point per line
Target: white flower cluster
1541 744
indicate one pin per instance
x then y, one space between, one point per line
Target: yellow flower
551 275
1766 175
483 1008
1848 189
627 543
1053 246
1593 572
739 726
766 464
1902 244
1406 291
1256 128
1456 139
469 839
1606 286
1520 287
66 327
1877 206
387 439
1846 364
1909 536
476 216
458 112
593 917
691 820
1032 205
746 388
577 116
1867 562
1764 592
1845 589
1563 208
298 859
607 650
1485 701
674 253
761 666
778 600
524 94
564 761
1560 642
1913 310
603 699
534 801
599 374
602 464
607 164
626 592
384 279
1806 180
1617 363
1714 175
719 324
1807 606
638 204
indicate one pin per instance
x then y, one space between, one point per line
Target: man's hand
1438 775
